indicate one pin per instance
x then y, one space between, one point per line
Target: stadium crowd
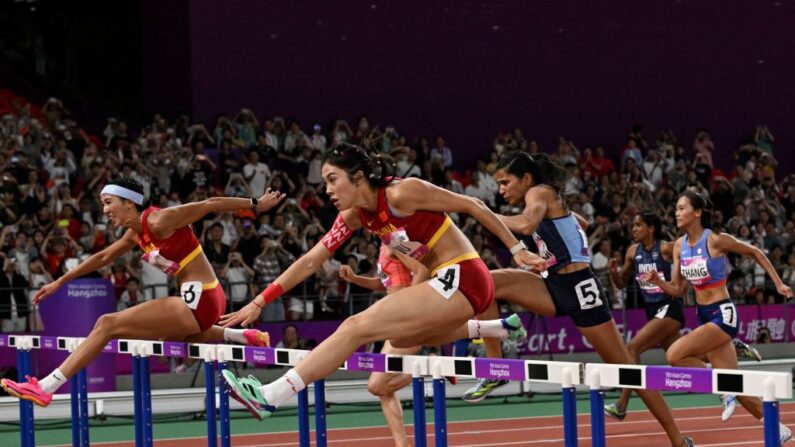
52 171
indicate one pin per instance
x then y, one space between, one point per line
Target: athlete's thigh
607 342
162 318
523 288
654 332
702 340
414 315
724 356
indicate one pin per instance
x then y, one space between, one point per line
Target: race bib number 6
446 280
191 293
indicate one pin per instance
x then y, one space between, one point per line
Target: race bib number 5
191 293
446 280
588 294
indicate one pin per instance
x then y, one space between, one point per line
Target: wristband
518 247
254 203
271 293
256 304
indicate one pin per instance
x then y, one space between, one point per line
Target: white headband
123 192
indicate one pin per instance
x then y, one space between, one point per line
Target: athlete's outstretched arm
94 262
368 282
412 195
306 265
163 223
533 213
729 244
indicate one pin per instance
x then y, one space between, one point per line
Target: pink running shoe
255 337
27 391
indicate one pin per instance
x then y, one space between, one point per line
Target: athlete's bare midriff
710 296
450 245
199 269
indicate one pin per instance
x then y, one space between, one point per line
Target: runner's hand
612 266
248 314
652 277
784 290
269 200
530 261
346 273
45 292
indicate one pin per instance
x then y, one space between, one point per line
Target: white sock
487 328
235 335
52 382
283 388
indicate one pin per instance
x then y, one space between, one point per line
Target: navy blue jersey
647 261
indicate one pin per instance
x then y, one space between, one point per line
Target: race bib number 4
446 280
588 294
191 293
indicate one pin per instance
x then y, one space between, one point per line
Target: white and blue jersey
699 267
561 241
647 261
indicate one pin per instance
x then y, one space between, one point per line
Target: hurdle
770 386
566 374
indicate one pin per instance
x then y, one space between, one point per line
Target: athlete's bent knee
377 386
107 323
673 357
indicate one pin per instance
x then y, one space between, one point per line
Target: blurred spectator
131 294
14 305
291 339
442 153
257 174
271 262
238 276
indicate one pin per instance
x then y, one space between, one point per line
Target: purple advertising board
72 311
500 369
559 335
365 361
691 380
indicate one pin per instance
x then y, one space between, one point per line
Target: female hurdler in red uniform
409 216
168 242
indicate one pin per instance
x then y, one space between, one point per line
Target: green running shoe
246 391
747 351
516 332
613 412
482 389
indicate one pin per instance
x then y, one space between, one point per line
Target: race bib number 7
446 280
191 293
729 314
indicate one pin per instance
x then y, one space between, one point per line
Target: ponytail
378 170
539 166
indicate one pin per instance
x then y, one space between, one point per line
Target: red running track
638 430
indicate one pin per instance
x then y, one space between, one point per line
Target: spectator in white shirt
318 140
256 174
475 189
239 275
441 151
